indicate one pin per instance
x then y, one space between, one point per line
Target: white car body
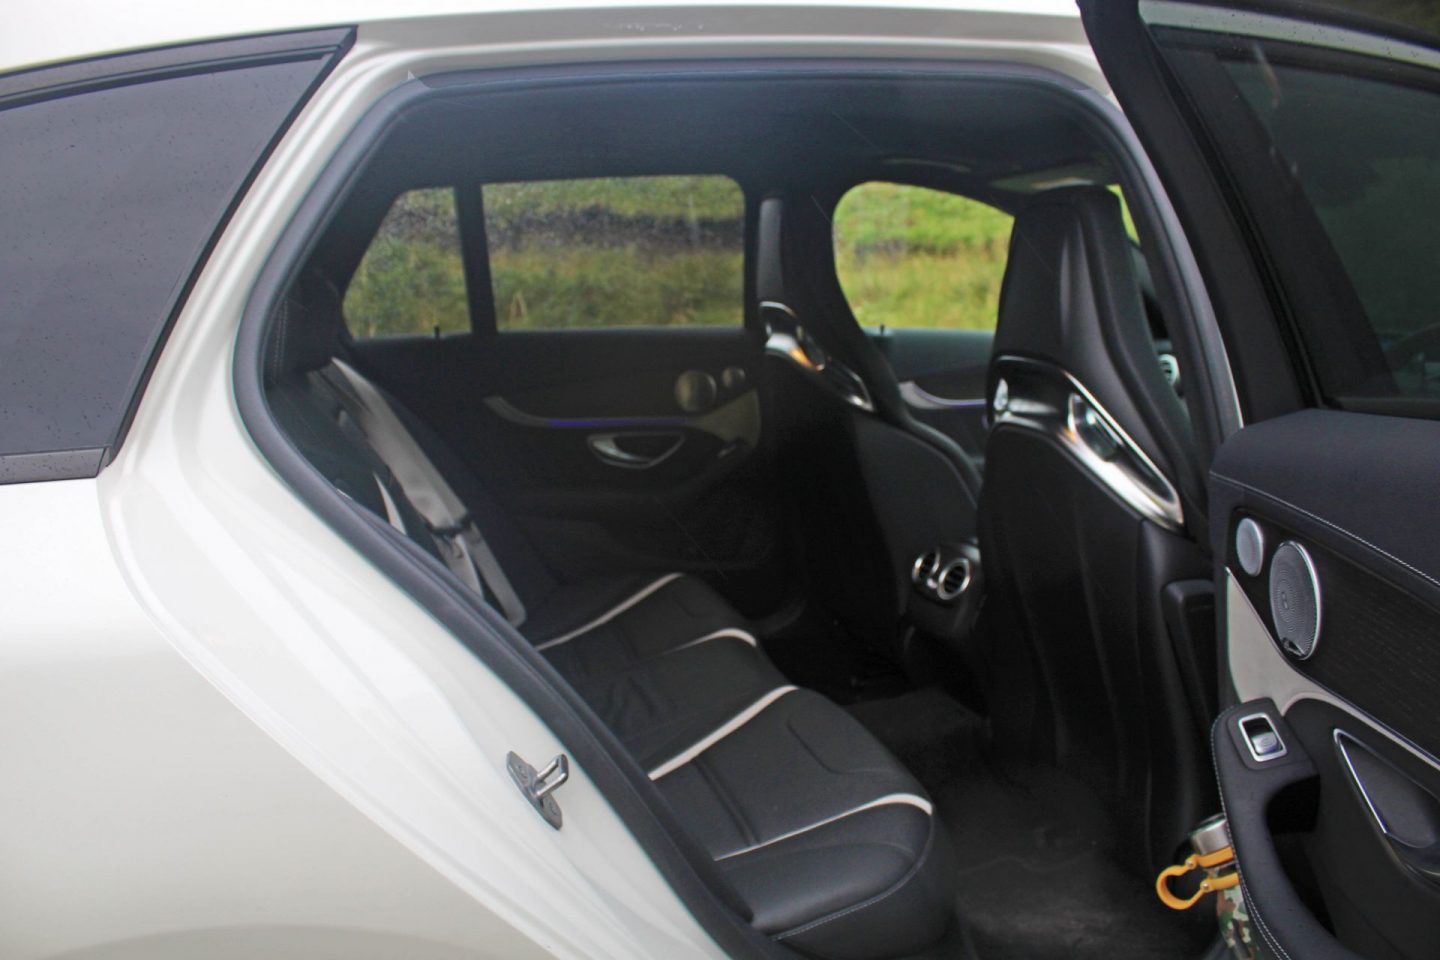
225 732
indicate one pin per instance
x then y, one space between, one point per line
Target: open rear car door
1300 144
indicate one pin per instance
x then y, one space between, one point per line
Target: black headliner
773 127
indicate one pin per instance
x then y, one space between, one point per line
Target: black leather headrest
307 328
1072 297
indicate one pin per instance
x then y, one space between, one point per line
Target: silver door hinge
538 786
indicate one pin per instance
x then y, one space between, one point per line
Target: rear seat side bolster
887 923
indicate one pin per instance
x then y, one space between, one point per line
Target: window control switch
1261 737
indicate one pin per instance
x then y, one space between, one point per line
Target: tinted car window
109 198
913 257
1374 191
616 252
412 277
1335 155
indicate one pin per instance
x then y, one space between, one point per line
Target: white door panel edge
151 818
1258 668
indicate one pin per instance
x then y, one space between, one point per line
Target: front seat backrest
1081 528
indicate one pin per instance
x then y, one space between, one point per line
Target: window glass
109 199
913 257
616 252
412 277
1336 155
1375 189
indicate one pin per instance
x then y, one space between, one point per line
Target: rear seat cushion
827 837
660 706
601 626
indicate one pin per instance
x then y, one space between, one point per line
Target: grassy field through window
912 257
619 252
667 251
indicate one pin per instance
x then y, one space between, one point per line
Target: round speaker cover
1249 546
1295 599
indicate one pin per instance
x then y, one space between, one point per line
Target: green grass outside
906 257
912 257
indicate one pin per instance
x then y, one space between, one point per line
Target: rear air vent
941 573
953 579
926 566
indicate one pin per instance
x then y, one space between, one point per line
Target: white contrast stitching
890 800
720 732
608 615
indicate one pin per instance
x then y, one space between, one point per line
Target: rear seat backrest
829 841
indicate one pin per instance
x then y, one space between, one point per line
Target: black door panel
585 436
1289 137
1354 491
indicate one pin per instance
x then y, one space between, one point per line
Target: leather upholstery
1081 671
828 839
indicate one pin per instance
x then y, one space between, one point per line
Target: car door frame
1280 475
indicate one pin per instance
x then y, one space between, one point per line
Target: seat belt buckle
1214 854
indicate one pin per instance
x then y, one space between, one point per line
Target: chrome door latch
538 786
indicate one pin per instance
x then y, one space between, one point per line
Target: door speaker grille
1295 600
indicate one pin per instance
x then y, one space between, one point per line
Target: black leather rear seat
825 835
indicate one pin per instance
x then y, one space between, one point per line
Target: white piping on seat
908 799
608 615
735 632
720 733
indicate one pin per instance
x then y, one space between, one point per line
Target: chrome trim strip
853 391
1340 736
1262 26
920 398
606 448
1248 530
1156 500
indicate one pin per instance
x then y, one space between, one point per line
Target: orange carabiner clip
1196 861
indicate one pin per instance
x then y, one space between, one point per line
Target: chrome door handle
606 446
1407 814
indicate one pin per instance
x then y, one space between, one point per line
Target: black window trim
78 77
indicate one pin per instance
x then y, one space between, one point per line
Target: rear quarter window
115 176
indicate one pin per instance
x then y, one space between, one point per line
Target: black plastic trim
54 465
80 76
44 83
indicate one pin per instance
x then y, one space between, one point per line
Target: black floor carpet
1039 877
